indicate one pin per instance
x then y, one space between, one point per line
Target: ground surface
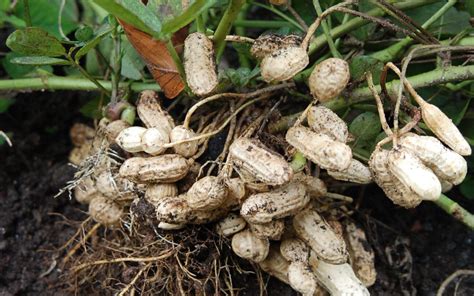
36 167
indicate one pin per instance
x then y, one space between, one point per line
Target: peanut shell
151 113
271 230
357 172
329 78
294 250
284 63
105 211
323 120
267 44
276 265
156 192
166 168
130 139
186 149
248 246
85 190
230 225
153 140
302 279
207 193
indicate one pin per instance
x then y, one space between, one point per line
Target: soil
415 250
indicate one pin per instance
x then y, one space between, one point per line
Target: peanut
284 63
356 173
153 140
230 225
271 230
105 211
186 149
323 120
329 78
248 246
130 139
166 168
207 193
151 113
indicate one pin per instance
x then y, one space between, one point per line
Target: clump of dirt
415 250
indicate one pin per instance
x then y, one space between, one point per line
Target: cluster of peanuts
272 213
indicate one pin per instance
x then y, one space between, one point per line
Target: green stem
69 83
262 24
117 63
454 209
298 162
332 47
176 59
392 52
225 25
280 14
200 26
357 22
88 76
240 31
27 15
434 77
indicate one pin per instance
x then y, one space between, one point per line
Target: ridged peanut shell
230 225
85 190
113 129
445 163
248 246
105 211
284 63
294 249
186 149
282 202
199 64
323 120
153 140
237 190
318 234
329 78
271 230
266 44
320 148
302 279
443 127
166 168
263 164
315 187
207 193
276 265
409 170
156 192
130 139
151 113
357 172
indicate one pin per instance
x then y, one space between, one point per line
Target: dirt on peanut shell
415 249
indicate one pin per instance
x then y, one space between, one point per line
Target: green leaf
14 70
93 42
190 14
470 7
362 64
40 61
35 41
134 13
12 19
365 126
467 187
132 64
5 104
92 109
44 14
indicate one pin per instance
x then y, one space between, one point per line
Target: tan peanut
85 190
207 193
237 190
113 129
316 232
267 44
263 164
294 249
166 168
186 149
151 113
271 230
315 187
302 279
156 192
276 265
199 64
284 63
329 78
445 163
323 120
248 246
319 148
153 140
443 127
357 172
230 225
361 254
105 211
130 139
409 170
282 202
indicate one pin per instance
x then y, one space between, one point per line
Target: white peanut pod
207 193
338 279
106 185
282 202
315 187
130 139
395 190
271 230
199 64
302 279
85 190
361 254
409 170
260 162
151 113
445 163
320 148
113 129
186 149
105 211
276 265
284 63
318 234
329 78
323 120
294 250
248 246
237 191
357 172
153 140
166 168
443 127
174 210
230 225
156 192
267 44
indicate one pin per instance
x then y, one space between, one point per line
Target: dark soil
33 223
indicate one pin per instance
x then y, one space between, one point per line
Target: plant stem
69 83
357 22
262 24
280 14
332 47
27 15
116 64
454 209
392 52
88 76
240 31
434 77
225 25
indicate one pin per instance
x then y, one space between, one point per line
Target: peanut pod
248 246
328 79
355 173
323 120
